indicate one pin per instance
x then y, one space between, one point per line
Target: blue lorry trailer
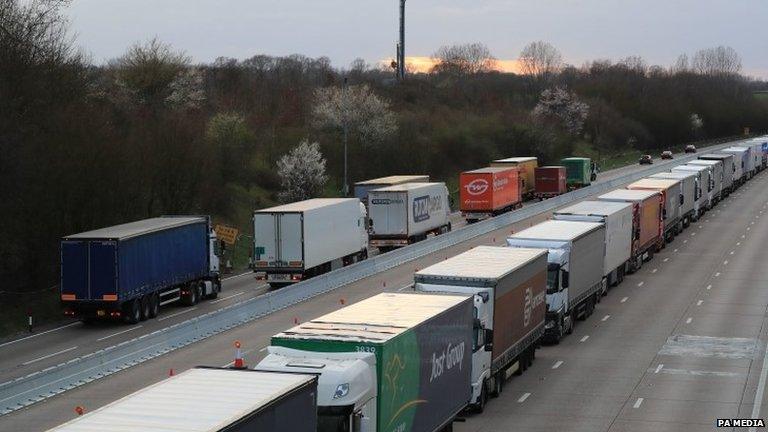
128 271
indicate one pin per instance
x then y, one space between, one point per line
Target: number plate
279 277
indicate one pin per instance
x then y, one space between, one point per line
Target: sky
583 30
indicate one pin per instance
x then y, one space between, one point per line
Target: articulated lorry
487 192
691 193
393 362
617 219
574 270
756 149
527 167
744 163
128 271
362 188
672 195
718 176
706 181
300 240
581 171
550 181
729 170
211 400
508 286
407 213
648 226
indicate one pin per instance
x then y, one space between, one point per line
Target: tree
302 172
681 65
230 135
467 59
717 61
565 107
186 90
540 59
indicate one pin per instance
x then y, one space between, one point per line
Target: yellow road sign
226 234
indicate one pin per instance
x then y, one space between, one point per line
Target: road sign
226 234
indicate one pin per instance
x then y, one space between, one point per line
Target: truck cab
346 387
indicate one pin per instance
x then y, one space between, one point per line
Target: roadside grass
44 307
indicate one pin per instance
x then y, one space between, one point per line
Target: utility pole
401 45
346 134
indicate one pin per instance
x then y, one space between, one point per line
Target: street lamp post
346 134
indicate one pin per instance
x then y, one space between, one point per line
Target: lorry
549 181
729 169
756 149
362 188
128 271
648 226
394 362
718 175
407 213
297 241
487 192
204 399
581 171
707 182
762 148
527 167
574 270
744 163
617 219
508 287
672 196
691 193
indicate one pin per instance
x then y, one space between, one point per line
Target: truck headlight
341 391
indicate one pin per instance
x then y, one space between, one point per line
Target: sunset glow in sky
424 64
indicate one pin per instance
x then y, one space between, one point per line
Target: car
690 148
646 160
666 154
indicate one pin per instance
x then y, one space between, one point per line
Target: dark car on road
666 154
690 148
646 160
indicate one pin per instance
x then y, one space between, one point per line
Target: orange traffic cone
79 410
239 363
171 372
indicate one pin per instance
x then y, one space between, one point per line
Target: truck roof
490 170
551 167
595 208
375 319
576 159
305 205
705 162
629 194
395 179
715 156
483 262
405 187
134 229
198 400
735 149
676 174
557 230
515 159
654 183
691 168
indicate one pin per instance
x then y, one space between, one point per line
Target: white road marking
725 262
48 356
404 288
39 334
237 276
685 241
717 274
760 389
584 339
674 250
742 236
732 252
228 297
709 287
523 397
698 303
177 314
557 364
605 318
624 299
688 321
119 333
665 259
263 349
638 402
654 270
640 283
700 226
693 234
659 367
738 243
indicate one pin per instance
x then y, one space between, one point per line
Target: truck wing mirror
682 199
488 340
565 279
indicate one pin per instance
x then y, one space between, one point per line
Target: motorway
639 321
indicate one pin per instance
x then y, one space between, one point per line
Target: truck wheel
481 401
216 287
133 312
498 383
363 255
145 307
154 305
198 290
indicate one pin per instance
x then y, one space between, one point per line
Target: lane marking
523 397
236 276
624 299
557 364
605 318
640 283
732 252
674 250
738 243
659 367
584 338
698 303
685 241
709 287
717 274
177 314
404 288
693 234
638 402
119 333
725 262
227 297
264 349
688 321
760 389
40 334
48 356
654 270
665 259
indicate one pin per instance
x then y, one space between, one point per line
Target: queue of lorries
415 361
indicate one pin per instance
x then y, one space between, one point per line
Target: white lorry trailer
508 286
362 188
691 193
743 161
729 169
407 213
211 400
617 219
574 270
718 175
706 181
296 241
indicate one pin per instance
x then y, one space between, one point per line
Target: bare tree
635 64
467 59
562 106
681 65
302 172
540 59
717 61
354 108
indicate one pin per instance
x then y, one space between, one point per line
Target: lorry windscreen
334 418
553 281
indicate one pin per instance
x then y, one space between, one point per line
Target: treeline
150 133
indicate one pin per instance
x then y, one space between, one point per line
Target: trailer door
74 269
290 240
103 270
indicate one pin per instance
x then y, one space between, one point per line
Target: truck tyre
133 312
198 290
145 307
154 305
481 401
498 383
